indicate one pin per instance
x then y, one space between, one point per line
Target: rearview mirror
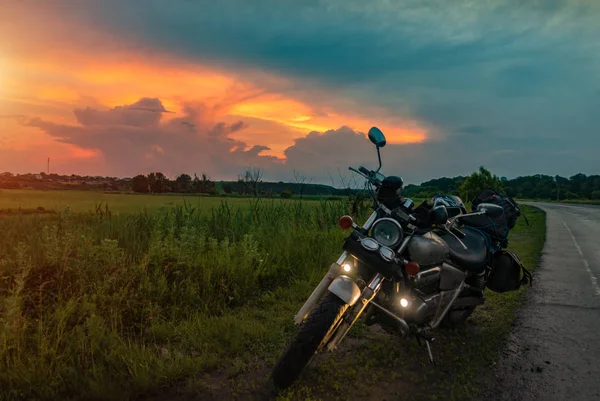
377 137
439 215
490 209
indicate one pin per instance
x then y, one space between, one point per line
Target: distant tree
227 188
286 194
301 182
183 183
596 194
478 182
561 184
250 181
157 182
140 184
204 185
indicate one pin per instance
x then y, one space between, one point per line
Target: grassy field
171 301
84 201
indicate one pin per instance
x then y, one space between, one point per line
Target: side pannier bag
505 274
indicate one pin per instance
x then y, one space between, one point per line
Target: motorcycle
407 269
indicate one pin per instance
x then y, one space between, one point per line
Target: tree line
538 186
250 183
158 183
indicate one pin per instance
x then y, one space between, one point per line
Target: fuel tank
428 249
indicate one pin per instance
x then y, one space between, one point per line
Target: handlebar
371 176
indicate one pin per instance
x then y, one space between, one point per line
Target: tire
317 326
456 318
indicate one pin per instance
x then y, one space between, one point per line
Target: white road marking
593 278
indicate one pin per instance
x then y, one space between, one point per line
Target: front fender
345 289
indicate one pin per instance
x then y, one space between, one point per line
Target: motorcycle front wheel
316 329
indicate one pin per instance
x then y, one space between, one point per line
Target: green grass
83 201
115 306
90 302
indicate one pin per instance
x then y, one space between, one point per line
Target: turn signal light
346 222
412 268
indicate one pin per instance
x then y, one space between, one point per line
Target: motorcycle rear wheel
317 328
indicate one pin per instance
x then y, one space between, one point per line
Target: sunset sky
127 87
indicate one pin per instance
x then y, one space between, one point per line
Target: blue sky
509 84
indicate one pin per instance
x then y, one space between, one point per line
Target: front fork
349 318
334 271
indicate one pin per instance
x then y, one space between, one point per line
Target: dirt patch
372 365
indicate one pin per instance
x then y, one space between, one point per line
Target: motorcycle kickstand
428 340
429 352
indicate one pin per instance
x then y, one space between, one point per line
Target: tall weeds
86 300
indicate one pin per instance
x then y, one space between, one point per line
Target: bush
570 195
478 182
10 185
287 194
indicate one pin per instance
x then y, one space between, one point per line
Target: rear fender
345 289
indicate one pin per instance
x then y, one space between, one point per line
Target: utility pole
557 189
48 169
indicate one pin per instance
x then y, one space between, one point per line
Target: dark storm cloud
500 74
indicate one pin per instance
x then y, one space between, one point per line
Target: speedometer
388 232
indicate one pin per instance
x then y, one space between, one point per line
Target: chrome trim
342 258
404 326
370 244
370 220
404 244
389 254
345 289
352 315
376 282
427 272
455 295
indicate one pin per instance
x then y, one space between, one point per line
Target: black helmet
390 190
453 203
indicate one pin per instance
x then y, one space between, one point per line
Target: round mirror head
377 137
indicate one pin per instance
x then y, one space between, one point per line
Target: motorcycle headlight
388 232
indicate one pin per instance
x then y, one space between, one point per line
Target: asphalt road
554 348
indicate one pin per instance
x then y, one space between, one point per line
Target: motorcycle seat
473 258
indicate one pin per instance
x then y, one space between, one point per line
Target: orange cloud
40 80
